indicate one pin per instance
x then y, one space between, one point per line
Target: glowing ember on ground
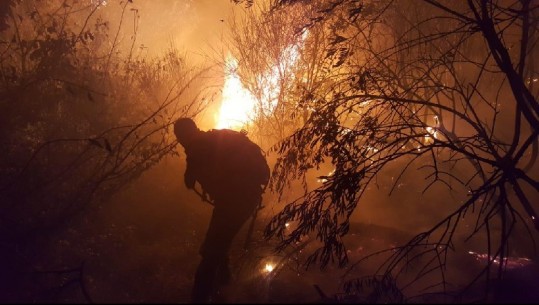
269 267
510 262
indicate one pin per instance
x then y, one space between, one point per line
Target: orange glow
269 268
238 105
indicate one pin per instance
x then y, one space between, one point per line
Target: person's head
185 130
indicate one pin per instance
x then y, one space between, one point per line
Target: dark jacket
226 164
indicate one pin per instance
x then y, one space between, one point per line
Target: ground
142 247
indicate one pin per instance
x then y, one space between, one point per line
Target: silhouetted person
233 171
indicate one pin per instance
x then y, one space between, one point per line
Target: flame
269 268
99 2
432 132
323 179
238 105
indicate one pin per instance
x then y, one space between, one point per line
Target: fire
269 268
432 134
323 179
238 104
509 262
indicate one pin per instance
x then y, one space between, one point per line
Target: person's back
234 172
228 164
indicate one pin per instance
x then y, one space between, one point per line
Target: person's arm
189 176
190 181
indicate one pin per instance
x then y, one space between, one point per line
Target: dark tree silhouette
443 90
82 116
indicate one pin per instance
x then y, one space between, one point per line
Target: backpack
238 163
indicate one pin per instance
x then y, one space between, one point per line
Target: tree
431 86
82 116
267 53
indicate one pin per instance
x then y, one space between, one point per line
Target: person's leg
223 274
204 277
224 225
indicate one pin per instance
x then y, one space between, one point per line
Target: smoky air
254 151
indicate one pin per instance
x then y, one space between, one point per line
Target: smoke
142 246
196 27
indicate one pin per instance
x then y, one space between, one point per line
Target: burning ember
323 179
269 267
510 262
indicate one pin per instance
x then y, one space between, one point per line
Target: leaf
330 52
316 19
339 39
354 13
95 142
107 146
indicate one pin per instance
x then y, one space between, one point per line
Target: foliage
82 114
402 86
267 52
